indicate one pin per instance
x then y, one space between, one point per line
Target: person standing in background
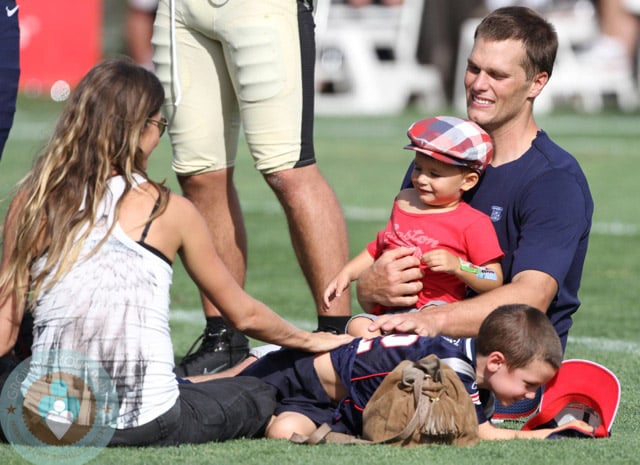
616 45
249 63
139 29
9 77
9 67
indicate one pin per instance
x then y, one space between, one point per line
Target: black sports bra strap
145 231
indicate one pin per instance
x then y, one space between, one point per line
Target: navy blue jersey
541 208
363 364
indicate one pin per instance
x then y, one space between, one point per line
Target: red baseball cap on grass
581 390
452 140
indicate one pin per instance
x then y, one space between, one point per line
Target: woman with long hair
88 245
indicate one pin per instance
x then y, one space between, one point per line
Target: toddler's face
439 184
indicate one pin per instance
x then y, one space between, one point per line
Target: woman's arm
10 319
245 313
10 313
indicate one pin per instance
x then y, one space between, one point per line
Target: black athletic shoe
219 350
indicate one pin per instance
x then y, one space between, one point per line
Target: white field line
607 345
354 213
26 131
179 315
615 229
196 318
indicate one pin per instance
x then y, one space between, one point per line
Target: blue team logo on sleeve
496 213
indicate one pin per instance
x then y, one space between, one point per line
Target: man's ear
538 83
495 360
469 180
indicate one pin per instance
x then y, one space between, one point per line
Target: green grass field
364 161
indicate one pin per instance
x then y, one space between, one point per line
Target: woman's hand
323 342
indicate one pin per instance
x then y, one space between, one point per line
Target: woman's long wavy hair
97 136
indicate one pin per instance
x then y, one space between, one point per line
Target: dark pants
216 410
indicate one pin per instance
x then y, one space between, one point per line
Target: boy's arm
479 278
342 280
487 431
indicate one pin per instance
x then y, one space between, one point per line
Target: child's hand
441 261
578 424
334 290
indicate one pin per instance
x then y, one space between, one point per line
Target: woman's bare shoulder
182 209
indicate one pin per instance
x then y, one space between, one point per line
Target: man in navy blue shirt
534 191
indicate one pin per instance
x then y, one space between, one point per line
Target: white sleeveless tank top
113 307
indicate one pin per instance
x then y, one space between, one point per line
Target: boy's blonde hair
522 334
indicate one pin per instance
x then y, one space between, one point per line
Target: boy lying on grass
517 350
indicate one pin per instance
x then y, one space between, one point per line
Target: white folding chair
366 60
586 84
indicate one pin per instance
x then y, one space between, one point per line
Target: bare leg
215 196
616 21
287 423
317 228
359 327
138 31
